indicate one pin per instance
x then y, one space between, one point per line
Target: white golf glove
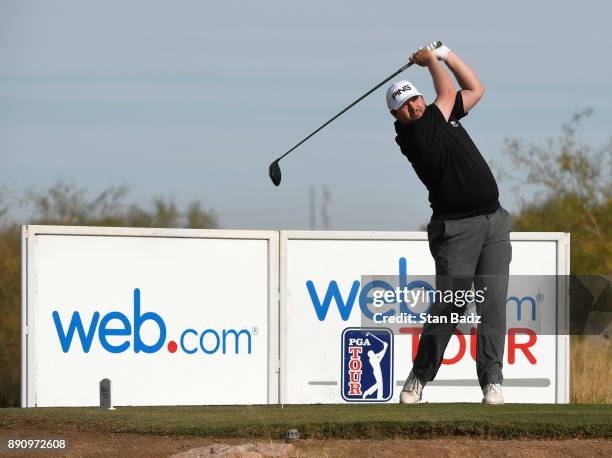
441 52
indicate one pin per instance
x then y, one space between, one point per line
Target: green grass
512 421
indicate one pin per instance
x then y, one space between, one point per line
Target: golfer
375 359
469 232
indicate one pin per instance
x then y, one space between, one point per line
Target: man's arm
380 355
443 84
472 88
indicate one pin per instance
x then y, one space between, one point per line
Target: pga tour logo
367 364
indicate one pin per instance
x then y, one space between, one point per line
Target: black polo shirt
447 161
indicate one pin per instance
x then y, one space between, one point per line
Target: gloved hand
440 52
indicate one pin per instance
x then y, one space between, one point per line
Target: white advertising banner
326 279
171 317
201 317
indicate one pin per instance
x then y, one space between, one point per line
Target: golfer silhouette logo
374 360
367 365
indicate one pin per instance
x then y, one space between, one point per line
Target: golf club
274 170
370 334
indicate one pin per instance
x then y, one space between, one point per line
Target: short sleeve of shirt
458 111
421 141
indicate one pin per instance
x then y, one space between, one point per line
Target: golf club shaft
350 106
375 337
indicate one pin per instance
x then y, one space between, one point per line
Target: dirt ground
135 445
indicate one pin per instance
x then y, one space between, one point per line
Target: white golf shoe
493 394
412 391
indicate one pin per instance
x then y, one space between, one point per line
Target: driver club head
275 173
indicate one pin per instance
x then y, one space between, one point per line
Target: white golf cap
399 92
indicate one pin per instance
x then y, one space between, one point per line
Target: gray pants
471 250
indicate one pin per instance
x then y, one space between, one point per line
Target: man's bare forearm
472 87
445 89
443 84
466 77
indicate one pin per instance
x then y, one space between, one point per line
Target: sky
192 100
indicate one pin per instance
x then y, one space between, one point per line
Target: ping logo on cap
367 364
400 90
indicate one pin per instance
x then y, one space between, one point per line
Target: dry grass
591 370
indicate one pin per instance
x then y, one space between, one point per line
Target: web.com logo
116 324
359 294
